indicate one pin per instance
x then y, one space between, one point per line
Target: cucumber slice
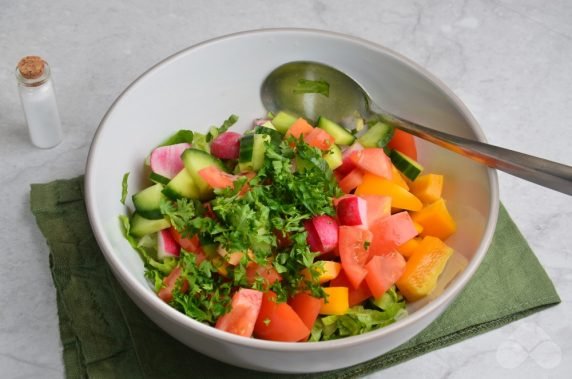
252 148
156 178
195 160
410 168
283 120
275 136
377 135
268 124
141 226
147 202
333 157
182 185
341 135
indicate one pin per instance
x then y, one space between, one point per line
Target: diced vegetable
195 160
283 120
409 167
166 245
170 282
278 321
374 161
378 207
340 134
352 210
333 157
351 181
336 301
435 220
383 271
244 310
355 295
378 135
390 232
226 145
182 186
166 160
404 143
147 202
217 178
423 268
300 127
353 247
320 139
322 233
141 226
409 247
307 307
428 188
327 271
400 197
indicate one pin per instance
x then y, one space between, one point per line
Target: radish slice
352 211
166 160
226 145
166 245
322 233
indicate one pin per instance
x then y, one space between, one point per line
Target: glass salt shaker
39 101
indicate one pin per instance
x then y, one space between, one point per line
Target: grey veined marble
508 60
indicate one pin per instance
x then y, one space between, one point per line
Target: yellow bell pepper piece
423 268
400 197
428 188
337 302
435 220
327 271
397 178
409 247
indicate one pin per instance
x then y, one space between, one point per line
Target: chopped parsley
124 189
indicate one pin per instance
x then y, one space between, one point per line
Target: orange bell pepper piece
428 188
400 197
435 220
409 247
423 268
337 302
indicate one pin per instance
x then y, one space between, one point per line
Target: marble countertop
508 60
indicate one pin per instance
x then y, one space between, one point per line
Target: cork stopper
31 67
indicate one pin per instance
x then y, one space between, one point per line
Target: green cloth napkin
104 335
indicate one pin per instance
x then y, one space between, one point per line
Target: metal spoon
299 87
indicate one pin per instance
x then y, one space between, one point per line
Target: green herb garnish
124 187
312 86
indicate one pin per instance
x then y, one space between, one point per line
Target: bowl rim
147 296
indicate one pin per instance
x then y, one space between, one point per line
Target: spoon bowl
313 89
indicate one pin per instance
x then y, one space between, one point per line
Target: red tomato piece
169 283
226 145
278 321
373 160
300 127
319 138
347 159
383 271
390 232
242 316
268 274
378 206
355 295
217 178
404 143
353 252
307 307
190 244
351 180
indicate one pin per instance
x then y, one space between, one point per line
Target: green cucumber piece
410 168
333 157
194 161
182 185
275 136
252 149
283 120
341 135
156 178
141 226
377 135
147 202
269 125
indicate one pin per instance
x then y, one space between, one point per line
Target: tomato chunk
266 273
390 232
278 321
190 244
373 160
169 283
404 143
353 248
242 316
383 271
307 307
319 138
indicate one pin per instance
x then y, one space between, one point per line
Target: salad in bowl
292 231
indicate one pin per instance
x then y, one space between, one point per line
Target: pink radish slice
166 245
166 160
322 233
226 145
352 211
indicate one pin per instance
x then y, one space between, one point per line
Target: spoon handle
546 173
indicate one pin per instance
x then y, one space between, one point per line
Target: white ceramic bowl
201 86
